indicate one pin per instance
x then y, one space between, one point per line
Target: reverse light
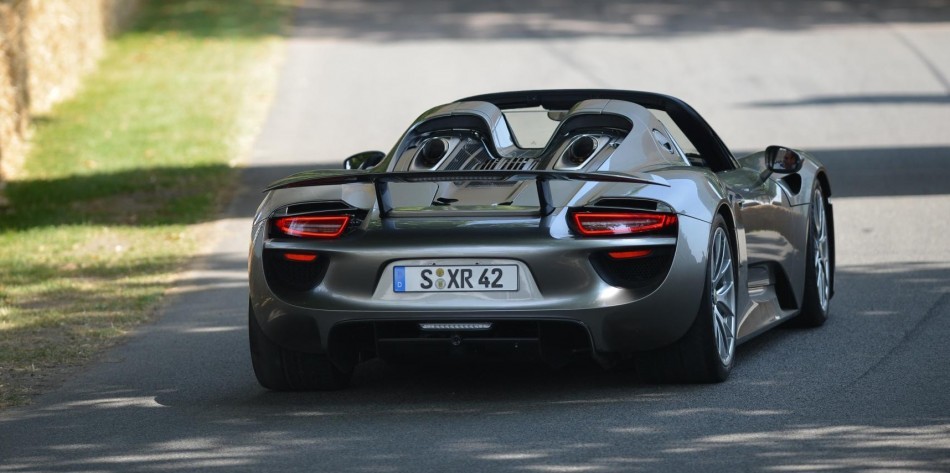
312 226
622 223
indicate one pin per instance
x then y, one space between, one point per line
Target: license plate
463 278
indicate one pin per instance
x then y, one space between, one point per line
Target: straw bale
14 97
65 39
46 47
119 14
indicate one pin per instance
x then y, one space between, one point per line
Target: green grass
102 212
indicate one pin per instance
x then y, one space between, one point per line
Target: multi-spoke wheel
722 279
707 352
819 270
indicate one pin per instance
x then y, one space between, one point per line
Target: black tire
695 358
815 305
279 369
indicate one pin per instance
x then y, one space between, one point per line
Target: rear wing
381 180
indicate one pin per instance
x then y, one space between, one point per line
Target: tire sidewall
813 314
706 309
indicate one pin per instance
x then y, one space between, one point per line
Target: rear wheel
707 352
280 369
819 269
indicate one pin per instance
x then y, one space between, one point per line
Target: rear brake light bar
622 223
312 226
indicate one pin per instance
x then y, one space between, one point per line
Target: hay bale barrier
46 47
14 100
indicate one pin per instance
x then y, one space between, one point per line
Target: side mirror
782 160
364 160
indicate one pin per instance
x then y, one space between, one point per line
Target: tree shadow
884 99
415 20
178 195
786 407
375 21
213 19
136 197
885 172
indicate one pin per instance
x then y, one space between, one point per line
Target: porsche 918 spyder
540 225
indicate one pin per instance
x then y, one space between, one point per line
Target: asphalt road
864 85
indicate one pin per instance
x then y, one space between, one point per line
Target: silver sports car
540 225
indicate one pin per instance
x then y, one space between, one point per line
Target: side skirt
768 305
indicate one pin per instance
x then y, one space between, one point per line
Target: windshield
678 135
531 128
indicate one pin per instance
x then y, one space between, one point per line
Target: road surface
864 85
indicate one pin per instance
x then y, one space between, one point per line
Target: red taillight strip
300 257
313 226
621 223
629 254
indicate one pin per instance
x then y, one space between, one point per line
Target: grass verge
101 214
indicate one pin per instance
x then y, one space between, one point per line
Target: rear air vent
794 182
315 207
626 203
641 273
555 342
289 272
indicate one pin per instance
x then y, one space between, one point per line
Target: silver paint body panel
768 220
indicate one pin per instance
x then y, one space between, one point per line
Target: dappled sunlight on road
779 440
859 82
376 21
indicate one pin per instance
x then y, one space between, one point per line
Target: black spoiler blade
336 177
381 181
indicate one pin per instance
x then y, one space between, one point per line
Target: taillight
302 226
622 223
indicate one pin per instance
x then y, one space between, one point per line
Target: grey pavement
862 84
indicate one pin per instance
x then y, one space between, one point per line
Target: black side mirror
782 160
364 160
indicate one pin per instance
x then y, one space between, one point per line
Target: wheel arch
738 249
737 240
822 178
727 215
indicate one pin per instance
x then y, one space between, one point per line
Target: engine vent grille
505 164
469 152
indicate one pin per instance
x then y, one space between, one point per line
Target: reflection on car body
540 225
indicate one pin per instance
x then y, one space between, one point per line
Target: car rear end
603 278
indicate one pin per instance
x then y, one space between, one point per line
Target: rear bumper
615 319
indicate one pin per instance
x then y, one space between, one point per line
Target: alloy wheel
822 256
722 282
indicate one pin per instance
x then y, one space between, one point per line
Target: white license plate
463 278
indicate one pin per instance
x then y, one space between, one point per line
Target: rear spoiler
381 180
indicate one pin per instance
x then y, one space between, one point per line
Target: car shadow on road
854 172
792 402
181 394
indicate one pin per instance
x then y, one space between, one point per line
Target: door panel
772 229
